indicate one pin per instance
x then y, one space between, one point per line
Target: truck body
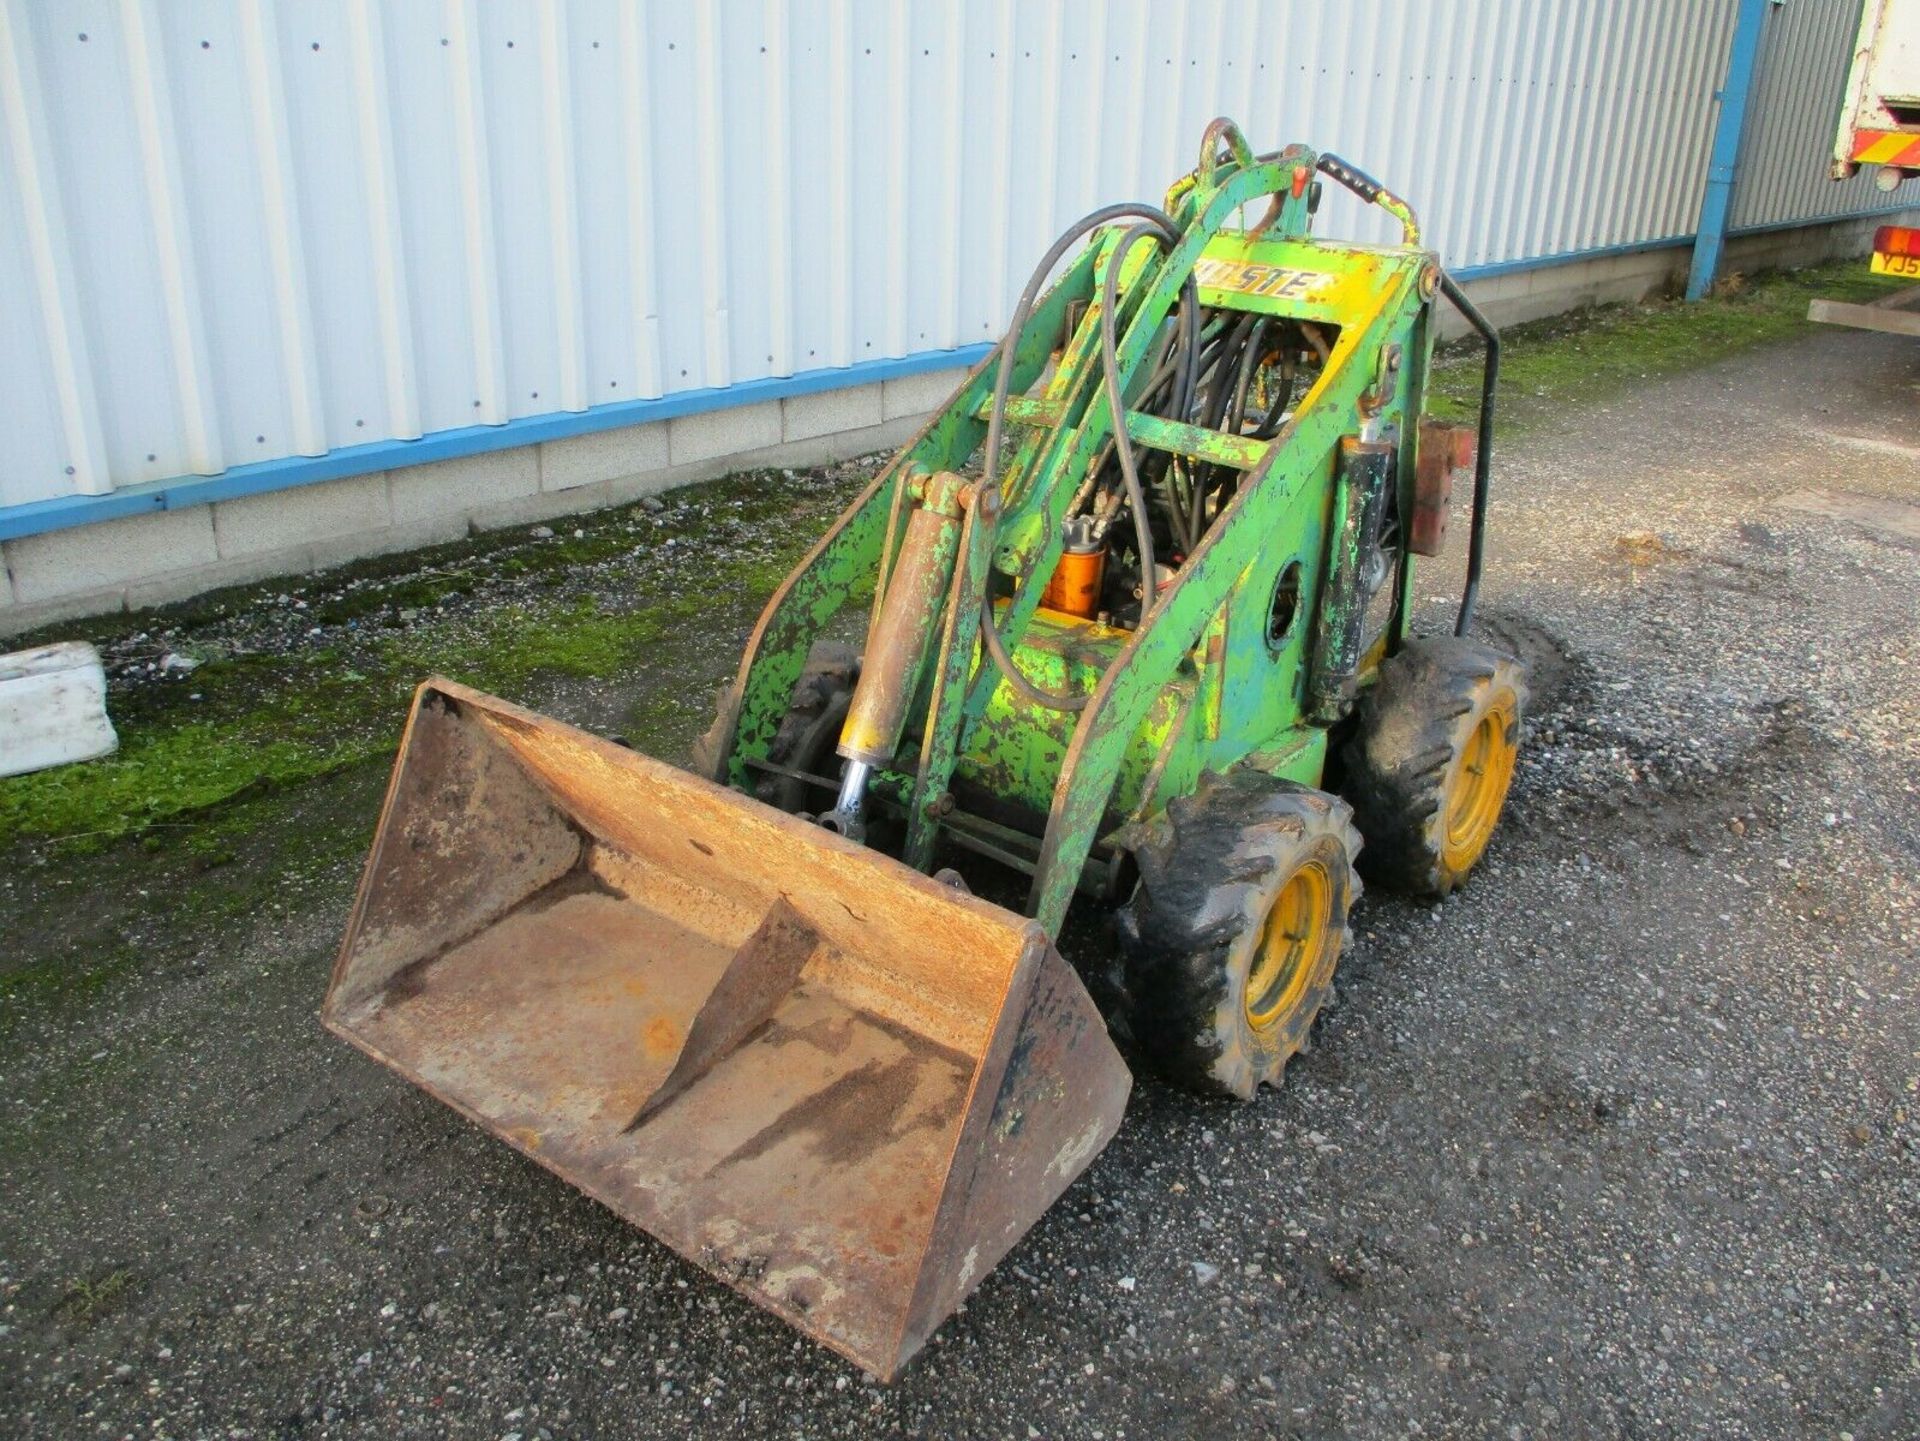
1880 111
1880 127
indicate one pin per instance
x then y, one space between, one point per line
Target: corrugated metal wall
1791 117
235 230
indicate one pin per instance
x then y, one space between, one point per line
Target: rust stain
661 1037
817 1075
841 1122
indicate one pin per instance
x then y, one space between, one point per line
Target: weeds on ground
87 1299
1601 351
326 685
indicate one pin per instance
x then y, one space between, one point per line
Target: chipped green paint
1196 442
841 569
1217 673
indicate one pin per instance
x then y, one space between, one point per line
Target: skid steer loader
1111 622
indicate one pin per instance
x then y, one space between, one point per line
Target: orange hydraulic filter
1074 587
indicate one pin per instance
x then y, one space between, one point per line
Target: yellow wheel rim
1291 944
1478 787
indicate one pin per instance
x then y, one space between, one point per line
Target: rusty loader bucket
844 1089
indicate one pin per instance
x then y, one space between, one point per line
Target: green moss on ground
1587 355
243 726
88 1298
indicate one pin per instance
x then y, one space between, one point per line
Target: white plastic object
53 707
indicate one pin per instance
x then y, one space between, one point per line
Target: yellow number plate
1885 264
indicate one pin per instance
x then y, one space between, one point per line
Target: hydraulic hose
996 421
1116 403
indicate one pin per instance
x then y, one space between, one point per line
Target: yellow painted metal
1477 786
1296 277
1295 938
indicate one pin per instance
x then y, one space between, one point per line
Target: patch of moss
88 1298
67 973
260 724
511 646
253 725
1589 354
417 593
139 912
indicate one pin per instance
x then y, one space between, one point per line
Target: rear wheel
1230 940
808 732
1431 761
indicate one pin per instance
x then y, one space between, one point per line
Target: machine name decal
1277 281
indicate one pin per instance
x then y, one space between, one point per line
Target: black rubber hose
1116 403
1195 338
1003 380
1483 455
1269 425
996 417
1250 355
1226 364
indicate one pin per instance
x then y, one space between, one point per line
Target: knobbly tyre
1115 620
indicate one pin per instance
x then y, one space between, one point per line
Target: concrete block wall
170 555
1523 295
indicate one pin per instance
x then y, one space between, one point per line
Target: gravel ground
1619 1140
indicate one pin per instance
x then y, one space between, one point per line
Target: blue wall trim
38 516
62 512
1566 257
1723 163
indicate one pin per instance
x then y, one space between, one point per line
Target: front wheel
1232 934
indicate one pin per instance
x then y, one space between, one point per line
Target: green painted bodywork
1198 685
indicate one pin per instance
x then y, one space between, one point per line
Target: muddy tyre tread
1411 725
1210 867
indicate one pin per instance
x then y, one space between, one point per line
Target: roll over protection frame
1374 193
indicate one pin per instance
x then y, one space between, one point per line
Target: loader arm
1032 541
1302 451
1011 534
844 564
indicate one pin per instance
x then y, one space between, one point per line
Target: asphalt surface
1620 1140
